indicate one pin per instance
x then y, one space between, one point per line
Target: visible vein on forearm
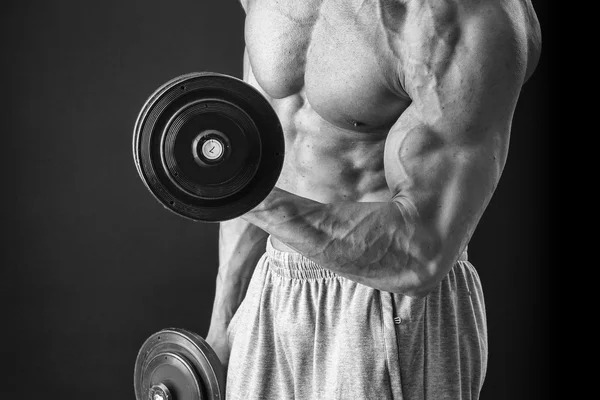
361 240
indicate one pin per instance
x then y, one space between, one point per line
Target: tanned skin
397 117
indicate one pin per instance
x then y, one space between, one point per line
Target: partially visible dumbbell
175 364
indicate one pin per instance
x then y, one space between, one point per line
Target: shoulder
441 34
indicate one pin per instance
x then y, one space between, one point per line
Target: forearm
241 244
370 243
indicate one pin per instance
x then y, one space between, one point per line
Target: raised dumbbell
208 146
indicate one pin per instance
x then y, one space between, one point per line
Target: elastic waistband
296 266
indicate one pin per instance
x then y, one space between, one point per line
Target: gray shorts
303 332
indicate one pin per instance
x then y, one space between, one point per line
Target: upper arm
444 156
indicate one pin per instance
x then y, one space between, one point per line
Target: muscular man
397 117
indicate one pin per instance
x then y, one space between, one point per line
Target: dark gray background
91 264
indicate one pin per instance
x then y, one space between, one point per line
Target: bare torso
332 71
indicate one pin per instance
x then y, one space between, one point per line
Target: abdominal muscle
327 163
331 94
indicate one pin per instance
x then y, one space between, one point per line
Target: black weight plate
184 161
181 361
225 113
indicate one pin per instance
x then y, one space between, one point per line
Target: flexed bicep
445 154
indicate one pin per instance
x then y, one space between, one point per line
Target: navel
356 124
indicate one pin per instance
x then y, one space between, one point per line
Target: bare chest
341 56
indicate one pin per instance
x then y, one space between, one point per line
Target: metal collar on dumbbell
159 392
